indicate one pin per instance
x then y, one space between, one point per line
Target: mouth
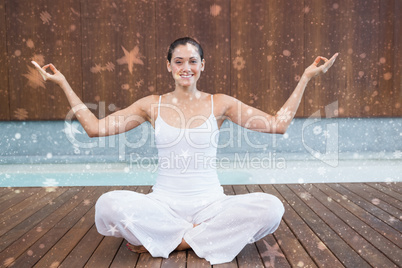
186 75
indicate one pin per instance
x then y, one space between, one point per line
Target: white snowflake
112 229
71 129
317 130
50 182
305 195
392 219
284 115
322 170
397 154
128 221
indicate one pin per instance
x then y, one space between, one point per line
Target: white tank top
187 157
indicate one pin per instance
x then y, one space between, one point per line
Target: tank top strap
212 104
159 105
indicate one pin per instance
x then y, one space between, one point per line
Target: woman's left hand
314 69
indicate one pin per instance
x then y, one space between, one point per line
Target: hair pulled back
184 41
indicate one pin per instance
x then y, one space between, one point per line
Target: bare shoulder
224 100
221 96
146 103
223 103
143 106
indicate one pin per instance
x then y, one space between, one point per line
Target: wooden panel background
119 52
4 103
114 52
44 32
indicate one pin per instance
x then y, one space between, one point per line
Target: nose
186 66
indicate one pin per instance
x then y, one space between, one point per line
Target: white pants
160 222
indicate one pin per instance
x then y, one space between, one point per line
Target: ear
169 68
202 65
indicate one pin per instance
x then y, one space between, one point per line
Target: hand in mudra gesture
314 69
57 77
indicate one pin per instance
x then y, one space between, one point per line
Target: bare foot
136 249
183 245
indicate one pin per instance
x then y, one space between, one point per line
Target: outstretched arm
255 119
115 123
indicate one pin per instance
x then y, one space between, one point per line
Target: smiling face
186 65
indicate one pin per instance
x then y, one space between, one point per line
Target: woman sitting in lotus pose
187 207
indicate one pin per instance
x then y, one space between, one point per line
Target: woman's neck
186 92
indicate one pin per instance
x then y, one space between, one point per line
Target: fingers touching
330 62
327 62
42 70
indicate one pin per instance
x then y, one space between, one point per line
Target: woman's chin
185 83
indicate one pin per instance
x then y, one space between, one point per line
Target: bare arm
118 122
255 119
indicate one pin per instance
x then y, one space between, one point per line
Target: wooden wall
114 52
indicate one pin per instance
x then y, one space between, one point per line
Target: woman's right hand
57 77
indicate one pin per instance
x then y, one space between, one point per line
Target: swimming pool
293 171
42 154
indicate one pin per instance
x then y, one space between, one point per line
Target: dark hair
184 41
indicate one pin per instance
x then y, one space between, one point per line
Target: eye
178 62
194 61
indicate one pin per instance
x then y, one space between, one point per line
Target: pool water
102 174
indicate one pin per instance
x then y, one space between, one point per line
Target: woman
187 207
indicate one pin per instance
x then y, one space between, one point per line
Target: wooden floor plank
49 244
193 261
389 196
19 206
318 254
124 257
232 264
15 196
36 219
387 190
81 253
21 244
26 208
368 206
332 213
147 261
177 259
249 256
6 190
378 225
395 186
65 234
105 252
270 251
8 193
107 249
66 244
228 190
377 198
340 249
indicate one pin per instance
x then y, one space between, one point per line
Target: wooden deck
325 225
